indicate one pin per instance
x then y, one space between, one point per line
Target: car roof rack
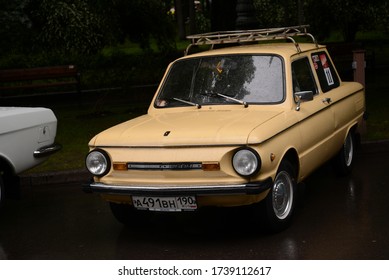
248 36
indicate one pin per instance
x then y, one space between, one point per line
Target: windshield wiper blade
187 102
244 103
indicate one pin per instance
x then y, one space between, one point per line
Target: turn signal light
120 166
211 166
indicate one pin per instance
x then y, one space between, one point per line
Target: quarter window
325 71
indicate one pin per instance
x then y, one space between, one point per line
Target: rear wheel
280 202
343 161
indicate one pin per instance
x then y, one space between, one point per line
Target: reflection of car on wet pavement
230 127
26 139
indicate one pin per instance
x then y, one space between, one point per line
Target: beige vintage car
232 126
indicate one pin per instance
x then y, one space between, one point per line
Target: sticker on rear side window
327 70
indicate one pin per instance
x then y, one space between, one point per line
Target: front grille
164 165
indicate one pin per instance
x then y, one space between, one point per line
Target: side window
302 76
325 71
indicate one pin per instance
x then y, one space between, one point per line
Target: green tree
381 15
68 26
347 16
324 16
141 21
276 13
15 25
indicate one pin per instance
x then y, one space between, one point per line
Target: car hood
19 118
186 129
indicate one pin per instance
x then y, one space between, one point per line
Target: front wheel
280 202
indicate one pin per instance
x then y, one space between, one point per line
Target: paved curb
83 176
52 178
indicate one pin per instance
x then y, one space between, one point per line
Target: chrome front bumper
239 189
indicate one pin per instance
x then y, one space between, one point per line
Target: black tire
280 203
125 213
344 160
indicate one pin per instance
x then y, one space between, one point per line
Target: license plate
168 204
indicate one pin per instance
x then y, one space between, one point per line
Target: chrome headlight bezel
98 162
246 162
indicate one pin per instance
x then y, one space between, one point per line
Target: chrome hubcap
348 150
282 195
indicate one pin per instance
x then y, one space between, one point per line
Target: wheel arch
292 157
354 129
6 165
7 172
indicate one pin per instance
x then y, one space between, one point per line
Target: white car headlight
98 163
246 162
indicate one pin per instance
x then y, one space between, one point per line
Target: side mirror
303 96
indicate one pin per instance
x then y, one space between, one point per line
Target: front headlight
97 162
246 162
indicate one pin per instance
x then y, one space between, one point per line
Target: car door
316 119
346 99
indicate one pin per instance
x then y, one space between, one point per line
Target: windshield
239 79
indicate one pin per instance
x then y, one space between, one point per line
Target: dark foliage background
121 42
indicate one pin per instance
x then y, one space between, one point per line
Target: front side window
302 76
214 80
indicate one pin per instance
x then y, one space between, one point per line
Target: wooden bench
43 77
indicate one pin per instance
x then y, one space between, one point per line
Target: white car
27 138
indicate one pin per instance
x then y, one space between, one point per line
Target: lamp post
245 15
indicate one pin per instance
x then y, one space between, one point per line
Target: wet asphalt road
337 218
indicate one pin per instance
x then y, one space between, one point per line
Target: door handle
327 100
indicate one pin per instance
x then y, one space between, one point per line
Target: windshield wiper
187 102
244 103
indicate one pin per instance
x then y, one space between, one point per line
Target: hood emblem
166 133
